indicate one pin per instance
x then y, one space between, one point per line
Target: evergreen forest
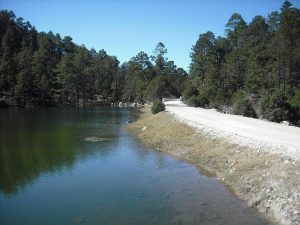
253 70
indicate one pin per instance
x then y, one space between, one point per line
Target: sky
125 27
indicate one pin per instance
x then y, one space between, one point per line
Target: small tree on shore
158 106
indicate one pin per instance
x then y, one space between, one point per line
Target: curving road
269 136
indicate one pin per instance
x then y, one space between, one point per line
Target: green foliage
255 58
275 107
188 92
202 53
190 89
203 94
192 101
158 106
295 102
155 89
39 68
243 106
236 96
235 26
218 100
45 69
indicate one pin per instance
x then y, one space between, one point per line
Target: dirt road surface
256 133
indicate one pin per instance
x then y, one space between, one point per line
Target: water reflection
35 141
68 180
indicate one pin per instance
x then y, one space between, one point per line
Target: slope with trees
253 71
44 69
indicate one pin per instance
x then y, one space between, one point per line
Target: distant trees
45 69
153 77
254 70
256 66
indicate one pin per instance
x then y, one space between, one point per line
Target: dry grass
268 182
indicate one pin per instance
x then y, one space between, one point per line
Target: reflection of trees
42 141
25 156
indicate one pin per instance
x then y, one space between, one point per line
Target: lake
79 166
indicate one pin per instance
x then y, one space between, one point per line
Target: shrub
202 100
157 107
218 101
243 106
189 92
190 89
275 107
236 96
192 101
197 101
295 102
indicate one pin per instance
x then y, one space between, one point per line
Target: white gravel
267 136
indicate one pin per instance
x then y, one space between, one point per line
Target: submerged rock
97 139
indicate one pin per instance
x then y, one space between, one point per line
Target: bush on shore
158 106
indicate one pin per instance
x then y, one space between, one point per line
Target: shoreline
267 181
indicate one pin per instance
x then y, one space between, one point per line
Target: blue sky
126 27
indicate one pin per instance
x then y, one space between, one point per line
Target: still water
50 174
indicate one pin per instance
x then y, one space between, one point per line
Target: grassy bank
270 183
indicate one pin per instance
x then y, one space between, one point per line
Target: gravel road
268 136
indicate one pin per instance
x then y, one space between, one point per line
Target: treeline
39 68
253 71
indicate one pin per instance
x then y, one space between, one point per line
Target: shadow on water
78 166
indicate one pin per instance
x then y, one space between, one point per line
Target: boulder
285 122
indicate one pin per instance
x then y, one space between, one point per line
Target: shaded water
77 166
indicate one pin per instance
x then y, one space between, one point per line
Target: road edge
265 181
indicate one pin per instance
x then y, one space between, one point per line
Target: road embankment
268 181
